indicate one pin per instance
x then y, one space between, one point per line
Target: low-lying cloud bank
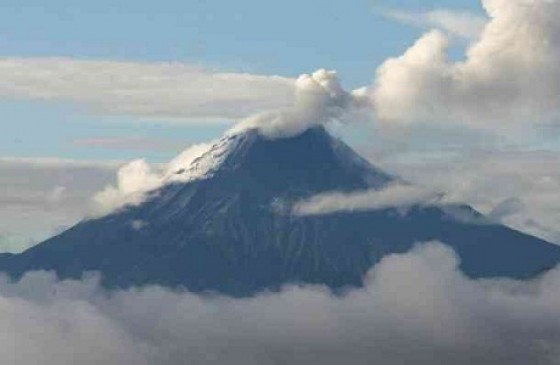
416 308
391 196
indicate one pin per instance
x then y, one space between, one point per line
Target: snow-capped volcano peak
210 158
314 148
217 227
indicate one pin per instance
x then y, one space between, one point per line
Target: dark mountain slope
231 230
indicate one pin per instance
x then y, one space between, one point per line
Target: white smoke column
319 99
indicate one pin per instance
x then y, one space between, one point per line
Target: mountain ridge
221 231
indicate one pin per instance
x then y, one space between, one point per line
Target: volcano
227 226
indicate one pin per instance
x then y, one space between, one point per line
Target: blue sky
257 37
285 38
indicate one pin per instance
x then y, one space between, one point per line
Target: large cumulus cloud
510 73
416 308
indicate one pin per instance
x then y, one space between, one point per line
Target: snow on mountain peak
137 179
209 157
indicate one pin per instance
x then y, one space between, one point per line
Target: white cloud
415 308
457 23
138 225
187 157
171 90
319 99
510 73
40 196
137 179
13 162
14 242
392 196
129 143
134 180
518 188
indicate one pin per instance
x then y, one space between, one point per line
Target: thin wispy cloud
394 196
461 24
129 143
163 90
518 188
